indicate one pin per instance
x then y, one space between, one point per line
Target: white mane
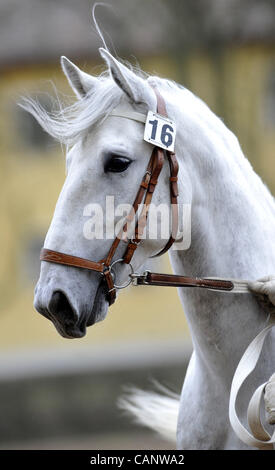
70 123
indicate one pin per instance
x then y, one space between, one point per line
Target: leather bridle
144 197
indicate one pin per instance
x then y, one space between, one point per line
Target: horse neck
231 236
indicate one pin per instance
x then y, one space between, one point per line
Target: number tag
160 131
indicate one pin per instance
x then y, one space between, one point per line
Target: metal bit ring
121 260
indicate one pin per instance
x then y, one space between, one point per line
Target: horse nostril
61 308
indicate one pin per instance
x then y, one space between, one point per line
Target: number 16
166 136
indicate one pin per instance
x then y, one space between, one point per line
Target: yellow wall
237 87
30 180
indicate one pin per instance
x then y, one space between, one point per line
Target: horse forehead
119 130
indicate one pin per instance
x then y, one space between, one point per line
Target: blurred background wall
56 393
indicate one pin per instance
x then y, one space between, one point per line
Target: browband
134 115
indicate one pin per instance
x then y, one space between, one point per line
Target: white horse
233 228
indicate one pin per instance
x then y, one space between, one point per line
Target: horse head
106 158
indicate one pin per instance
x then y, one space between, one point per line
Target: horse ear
135 87
80 82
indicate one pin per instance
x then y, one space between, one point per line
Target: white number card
160 131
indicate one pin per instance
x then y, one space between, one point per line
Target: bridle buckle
135 277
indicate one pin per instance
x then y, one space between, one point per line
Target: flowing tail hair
157 411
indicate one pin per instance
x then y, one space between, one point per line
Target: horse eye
117 164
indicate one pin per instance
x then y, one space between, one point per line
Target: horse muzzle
71 317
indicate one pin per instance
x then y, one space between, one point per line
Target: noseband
144 194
